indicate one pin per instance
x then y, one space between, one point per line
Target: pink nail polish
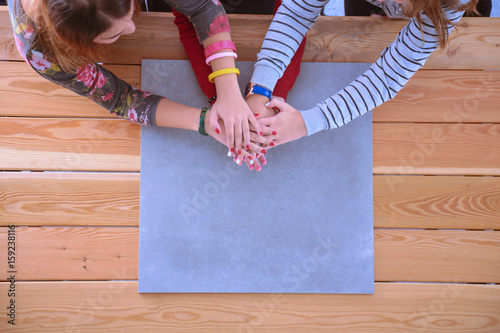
271 144
261 134
248 147
258 168
217 131
239 152
274 133
256 115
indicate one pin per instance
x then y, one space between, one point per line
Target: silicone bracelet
222 72
201 126
221 55
217 46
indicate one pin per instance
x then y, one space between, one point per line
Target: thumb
278 104
213 120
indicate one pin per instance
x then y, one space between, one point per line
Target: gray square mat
304 224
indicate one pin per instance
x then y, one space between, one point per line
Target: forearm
287 30
226 84
172 114
386 77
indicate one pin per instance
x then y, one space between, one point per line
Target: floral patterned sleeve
208 16
92 81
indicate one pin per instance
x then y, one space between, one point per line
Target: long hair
434 11
67 29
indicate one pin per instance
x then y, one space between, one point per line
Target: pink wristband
217 46
221 55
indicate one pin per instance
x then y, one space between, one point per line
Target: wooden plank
445 96
85 253
116 306
436 202
25 93
113 145
72 199
69 144
469 96
437 255
436 149
112 199
339 39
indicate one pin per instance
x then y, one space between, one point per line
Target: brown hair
434 11
67 29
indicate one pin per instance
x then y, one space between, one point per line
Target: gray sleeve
386 77
289 26
208 16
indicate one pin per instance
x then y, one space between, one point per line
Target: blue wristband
252 88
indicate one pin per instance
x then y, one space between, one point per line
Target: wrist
227 84
255 89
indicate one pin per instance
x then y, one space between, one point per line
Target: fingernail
239 151
275 109
264 151
271 144
256 115
267 104
258 168
232 150
261 134
251 161
238 161
243 160
217 131
258 155
274 133
251 167
229 154
248 147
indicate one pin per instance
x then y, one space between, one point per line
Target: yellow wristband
222 72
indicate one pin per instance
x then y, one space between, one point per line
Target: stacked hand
285 126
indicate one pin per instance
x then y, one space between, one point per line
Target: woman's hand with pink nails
257 104
288 125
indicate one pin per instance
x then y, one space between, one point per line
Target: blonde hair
434 11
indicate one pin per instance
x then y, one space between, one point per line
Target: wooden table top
70 185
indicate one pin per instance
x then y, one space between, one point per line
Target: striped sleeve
287 30
396 65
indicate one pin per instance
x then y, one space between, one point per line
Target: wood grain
436 149
338 39
69 144
437 255
113 145
85 253
117 307
112 199
436 202
71 199
25 93
445 96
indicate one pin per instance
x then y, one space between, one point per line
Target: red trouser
194 51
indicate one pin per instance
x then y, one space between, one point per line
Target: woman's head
75 30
